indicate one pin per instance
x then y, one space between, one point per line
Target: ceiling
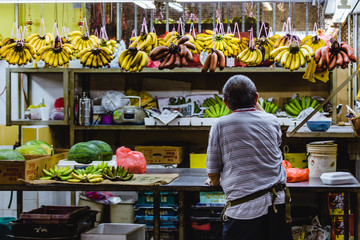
331 5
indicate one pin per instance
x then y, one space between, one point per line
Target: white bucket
321 158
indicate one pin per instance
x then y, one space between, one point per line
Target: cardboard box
39 132
197 160
161 154
31 169
9 135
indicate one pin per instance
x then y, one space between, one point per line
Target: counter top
334 131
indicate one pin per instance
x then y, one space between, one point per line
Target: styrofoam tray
202 121
176 122
75 165
334 178
115 231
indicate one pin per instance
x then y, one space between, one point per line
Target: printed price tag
230 62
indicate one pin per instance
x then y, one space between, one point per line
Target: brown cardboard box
31 169
161 154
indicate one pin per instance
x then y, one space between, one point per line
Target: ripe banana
215 59
145 42
96 57
18 53
133 60
251 57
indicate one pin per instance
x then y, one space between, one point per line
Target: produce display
293 56
105 149
17 53
215 58
269 107
286 40
337 55
181 100
118 174
133 60
58 174
31 150
38 41
95 57
217 107
110 44
251 56
145 42
85 153
83 40
47 147
295 106
91 174
266 46
314 42
8 154
57 54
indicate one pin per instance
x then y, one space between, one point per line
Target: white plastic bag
113 100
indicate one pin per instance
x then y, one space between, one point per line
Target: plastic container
123 212
149 210
115 231
21 230
337 178
318 126
321 158
54 214
5 229
206 228
85 201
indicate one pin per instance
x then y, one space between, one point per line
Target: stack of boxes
168 214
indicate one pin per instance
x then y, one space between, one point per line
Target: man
244 156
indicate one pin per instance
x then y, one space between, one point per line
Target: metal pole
183 13
228 13
135 18
258 19
323 18
118 21
306 19
243 17
339 32
151 20
17 14
350 102
274 18
355 42
103 14
167 16
214 15
290 9
199 23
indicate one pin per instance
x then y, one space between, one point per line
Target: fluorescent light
145 4
178 7
341 12
267 6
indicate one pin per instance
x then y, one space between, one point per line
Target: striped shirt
244 147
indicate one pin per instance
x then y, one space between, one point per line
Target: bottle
85 110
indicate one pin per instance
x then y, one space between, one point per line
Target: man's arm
213 180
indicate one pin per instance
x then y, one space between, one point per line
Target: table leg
346 215
357 217
181 216
156 199
19 203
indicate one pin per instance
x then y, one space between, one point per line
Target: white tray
202 121
75 165
334 178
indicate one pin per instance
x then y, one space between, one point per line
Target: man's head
240 92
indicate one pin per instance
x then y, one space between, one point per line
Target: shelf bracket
323 103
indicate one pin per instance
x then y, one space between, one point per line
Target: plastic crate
115 231
5 229
212 197
163 224
206 211
206 228
148 210
165 234
166 198
21 230
54 214
151 218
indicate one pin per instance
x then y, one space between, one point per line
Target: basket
355 124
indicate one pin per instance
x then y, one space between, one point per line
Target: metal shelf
37 122
142 128
333 132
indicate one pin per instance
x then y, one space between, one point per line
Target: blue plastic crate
148 210
166 198
151 218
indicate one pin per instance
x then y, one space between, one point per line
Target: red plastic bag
295 174
132 160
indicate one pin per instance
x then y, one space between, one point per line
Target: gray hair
239 92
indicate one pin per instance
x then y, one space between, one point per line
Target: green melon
40 143
31 150
84 153
105 148
8 154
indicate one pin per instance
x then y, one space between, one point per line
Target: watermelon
85 153
42 144
31 150
105 148
8 154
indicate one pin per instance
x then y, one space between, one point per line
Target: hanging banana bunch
59 54
133 60
38 41
243 43
111 44
266 46
314 42
96 57
83 40
145 42
18 53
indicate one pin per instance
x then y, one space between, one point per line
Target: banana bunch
269 107
83 41
286 40
314 42
295 106
175 55
118 174
217 107
7 41
17 53
96 57
171 37
111 44
207 40
274 38
145 42
96 170
266 46
133 60
161 41
55 56
178 100
209 102
293 56
38 41
215 59
86 177
243 43
56 173
337 55
225 43
251 56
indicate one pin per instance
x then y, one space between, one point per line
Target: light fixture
341 11
145 4
178 7
267 6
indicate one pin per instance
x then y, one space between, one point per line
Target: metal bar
243 17
17 14
103 14
183 13
350 102
333 79
306 19
323 103
258 19
8 96
355 47
19 203
274 18
181 215
72 107
118 21
290 10
156 200
214 15
228 13
151 20
167 16
323 18
199 14
66 95
346 215
135 19
357 217
339 32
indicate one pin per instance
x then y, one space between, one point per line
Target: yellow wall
66 16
